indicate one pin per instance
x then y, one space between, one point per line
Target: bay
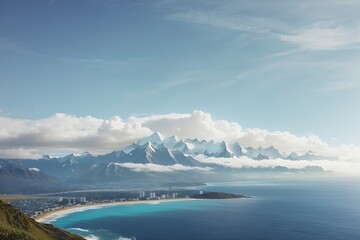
283 209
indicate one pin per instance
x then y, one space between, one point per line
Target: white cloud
63 134
244 162
149 167
196 125
284 141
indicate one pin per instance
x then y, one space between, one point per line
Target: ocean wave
125 238
92 237
79 229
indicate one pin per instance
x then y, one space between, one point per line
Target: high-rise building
141 194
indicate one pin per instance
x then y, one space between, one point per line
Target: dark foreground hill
15 225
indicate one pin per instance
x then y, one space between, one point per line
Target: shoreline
58 213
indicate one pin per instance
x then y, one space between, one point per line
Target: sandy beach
54 214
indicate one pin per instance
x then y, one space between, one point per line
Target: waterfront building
141 194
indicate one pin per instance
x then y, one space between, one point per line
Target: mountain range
150 159
223 149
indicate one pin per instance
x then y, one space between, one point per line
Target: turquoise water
301 210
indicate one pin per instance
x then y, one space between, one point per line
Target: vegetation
17 226
14 234
217 195
9 198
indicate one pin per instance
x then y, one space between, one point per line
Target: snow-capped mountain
210 148
154 138
293 156
160 154
223 149
310 155
191 147
263 153
154 150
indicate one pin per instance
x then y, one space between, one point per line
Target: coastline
57 213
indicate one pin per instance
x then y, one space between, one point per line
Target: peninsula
217 195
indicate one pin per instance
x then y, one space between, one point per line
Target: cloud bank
349 167
149 167
62 134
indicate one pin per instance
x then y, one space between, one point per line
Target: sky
274 70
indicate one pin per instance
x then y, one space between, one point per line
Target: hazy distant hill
15 225
12 171
15 178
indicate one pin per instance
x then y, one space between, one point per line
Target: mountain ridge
153 158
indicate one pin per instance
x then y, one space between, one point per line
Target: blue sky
276 65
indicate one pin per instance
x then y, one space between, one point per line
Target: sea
326 209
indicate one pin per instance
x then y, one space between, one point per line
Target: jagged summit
171 141
46 156
174 138
156 149
210 148
153 138
83 154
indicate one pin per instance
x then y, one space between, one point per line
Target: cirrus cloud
323 38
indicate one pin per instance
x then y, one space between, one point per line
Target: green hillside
15 225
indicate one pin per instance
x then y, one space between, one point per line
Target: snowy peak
148 145
156 137
84 154
159 154
261 157
237 149
272 152
171 141
149 150
211 148
263 153
292 156
218 150
310 155
192 147
46 156
182 146
130 148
